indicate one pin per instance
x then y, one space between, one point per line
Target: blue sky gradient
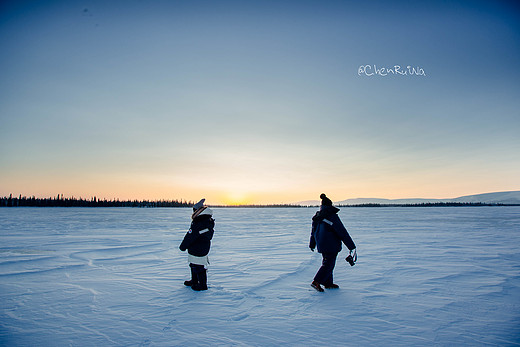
258 101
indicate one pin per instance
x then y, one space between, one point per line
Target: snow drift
443 276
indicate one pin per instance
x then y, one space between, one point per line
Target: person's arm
312 241
189 238
342 232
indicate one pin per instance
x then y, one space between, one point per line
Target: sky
259 101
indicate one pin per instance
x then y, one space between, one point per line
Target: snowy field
102 277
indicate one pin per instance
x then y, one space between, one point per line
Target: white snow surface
114 277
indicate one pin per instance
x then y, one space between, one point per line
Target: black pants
324 274
198 274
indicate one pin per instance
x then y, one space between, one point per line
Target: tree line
60 201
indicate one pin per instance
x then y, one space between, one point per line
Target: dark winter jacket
198 239
328 231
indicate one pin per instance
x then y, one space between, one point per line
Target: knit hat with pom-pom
325 201
198 205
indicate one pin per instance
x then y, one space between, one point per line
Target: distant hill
362 201
511 197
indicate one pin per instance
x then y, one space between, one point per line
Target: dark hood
324 212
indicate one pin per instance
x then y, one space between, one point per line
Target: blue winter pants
324 274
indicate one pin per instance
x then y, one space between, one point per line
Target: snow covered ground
96 277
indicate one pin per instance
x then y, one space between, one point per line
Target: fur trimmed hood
203 211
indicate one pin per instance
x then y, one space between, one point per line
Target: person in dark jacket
328 232
198 242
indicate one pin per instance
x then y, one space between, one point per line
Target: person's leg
328 280
201 277
194 279
324 274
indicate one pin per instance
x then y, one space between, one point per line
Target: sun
236 198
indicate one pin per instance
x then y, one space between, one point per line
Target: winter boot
199 287
331 286
202 283
194 279
317 286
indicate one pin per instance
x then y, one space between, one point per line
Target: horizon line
310 202
94 202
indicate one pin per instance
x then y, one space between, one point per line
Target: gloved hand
312 249
352 258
